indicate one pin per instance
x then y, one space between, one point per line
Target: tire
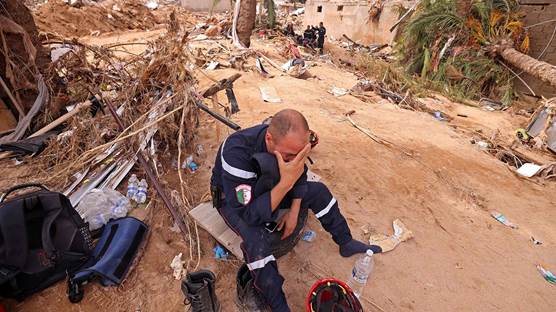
281 247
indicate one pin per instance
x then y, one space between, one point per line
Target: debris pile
62 20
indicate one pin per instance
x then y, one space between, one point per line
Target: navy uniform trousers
235 174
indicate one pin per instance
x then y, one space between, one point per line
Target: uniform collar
261 142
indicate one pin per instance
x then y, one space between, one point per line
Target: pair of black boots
200 290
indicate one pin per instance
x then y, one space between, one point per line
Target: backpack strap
13 251
20 186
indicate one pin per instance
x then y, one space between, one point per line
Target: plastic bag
101 205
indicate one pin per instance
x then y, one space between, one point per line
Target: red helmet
332 295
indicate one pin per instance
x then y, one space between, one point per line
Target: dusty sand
461 259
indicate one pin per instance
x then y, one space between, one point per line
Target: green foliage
465 70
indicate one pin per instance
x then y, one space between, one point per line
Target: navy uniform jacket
322 33
235 174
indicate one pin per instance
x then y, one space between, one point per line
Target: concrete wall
353 19
539 11
204 5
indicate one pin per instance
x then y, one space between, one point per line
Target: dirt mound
18 30
59 18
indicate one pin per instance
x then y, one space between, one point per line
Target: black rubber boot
248 298
200 290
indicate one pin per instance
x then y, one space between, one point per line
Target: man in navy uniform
321 34
235 176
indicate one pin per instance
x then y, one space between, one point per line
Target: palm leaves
466 69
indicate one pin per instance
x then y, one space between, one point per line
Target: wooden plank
210 220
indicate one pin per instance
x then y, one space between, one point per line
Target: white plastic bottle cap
370 252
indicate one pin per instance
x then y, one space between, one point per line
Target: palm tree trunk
271 21
539 69
463 7
246 20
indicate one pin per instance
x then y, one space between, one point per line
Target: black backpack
42 239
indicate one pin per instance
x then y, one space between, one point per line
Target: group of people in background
312 37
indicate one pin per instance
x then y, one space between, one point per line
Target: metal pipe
216 115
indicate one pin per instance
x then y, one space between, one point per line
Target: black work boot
200 290
248 298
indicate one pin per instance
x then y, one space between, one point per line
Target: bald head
287 121
287 134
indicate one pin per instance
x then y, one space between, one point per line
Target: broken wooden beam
78 107
221 85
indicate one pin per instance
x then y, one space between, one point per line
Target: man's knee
255 242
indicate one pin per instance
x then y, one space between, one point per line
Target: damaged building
366 21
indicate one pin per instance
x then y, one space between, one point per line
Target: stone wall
352 19
538 11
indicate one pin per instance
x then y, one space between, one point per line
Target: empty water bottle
132 186
361 272
141 196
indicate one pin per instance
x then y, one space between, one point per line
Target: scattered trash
220 253
529 170
535 241
141 195
101 205
491 105
73 3
189 163
522 135
212 65
439 116
199 150
177 265
388 243
543 122
152 4
269 94
502 219
483 146
132 186
260 67
29 146
309 235
336 91
59 50
548 276
200 37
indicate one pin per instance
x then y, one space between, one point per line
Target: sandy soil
461 259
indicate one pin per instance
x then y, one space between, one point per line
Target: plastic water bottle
360 273
141 196
132 186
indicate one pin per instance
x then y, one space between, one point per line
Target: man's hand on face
292 170
288 222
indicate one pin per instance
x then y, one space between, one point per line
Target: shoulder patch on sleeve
243 194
